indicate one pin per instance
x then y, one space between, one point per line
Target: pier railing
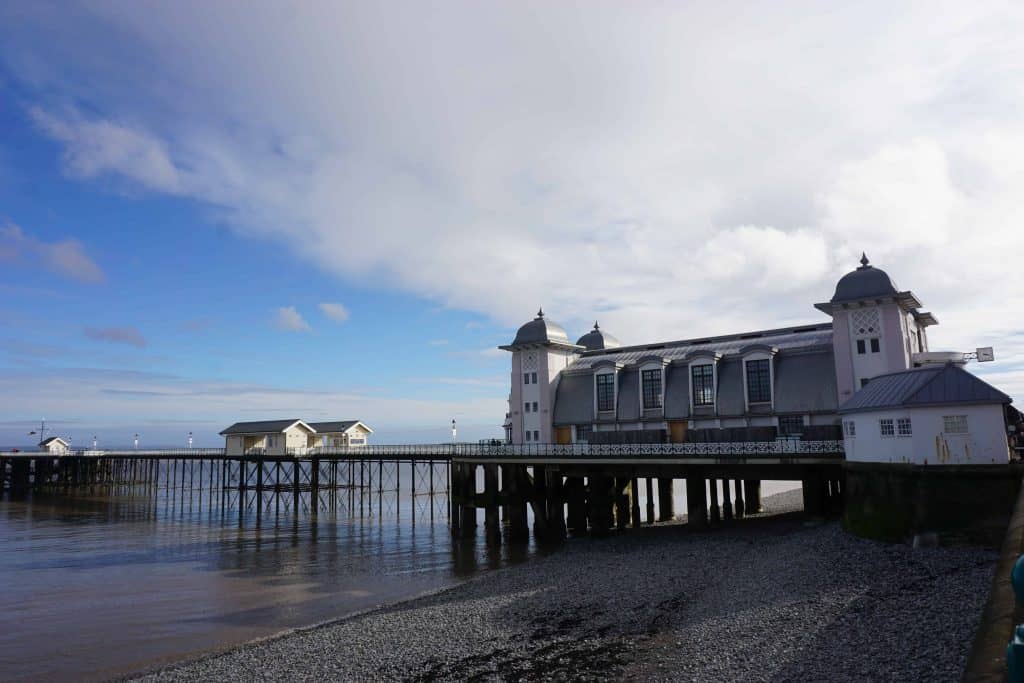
782 447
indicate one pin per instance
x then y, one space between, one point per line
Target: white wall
984 443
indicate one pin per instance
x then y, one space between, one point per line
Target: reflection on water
112 581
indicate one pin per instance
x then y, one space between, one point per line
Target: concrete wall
985 442
961 503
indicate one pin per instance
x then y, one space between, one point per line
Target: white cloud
335 312
66 257
674 169
290 320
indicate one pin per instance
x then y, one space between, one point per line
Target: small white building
339 434
267 437
55 446
933 415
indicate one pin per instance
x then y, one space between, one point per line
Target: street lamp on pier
453 430
136 442
190 439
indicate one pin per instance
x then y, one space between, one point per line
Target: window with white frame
583 432
850 428
886 427
526 407
534 407
526 378
759 381
528 434
536 435
606 392
651 380
533 377
703 384
903 427
954 424
791 425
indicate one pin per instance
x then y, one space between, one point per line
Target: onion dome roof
541 330
867 282
598 339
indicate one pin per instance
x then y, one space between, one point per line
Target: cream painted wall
984 444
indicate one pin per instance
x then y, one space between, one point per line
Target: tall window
533 377
850 428
652 388
526 407
874 345
759 381
526 378
791 425
954 424
703 385
583 432
534 408
886 428
861 349
606 392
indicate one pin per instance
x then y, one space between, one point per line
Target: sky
212 212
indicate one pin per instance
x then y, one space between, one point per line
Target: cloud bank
66 258
673 170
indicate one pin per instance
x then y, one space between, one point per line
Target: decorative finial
863 260
596 326
540 312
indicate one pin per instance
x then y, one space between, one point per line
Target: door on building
563 434
677 431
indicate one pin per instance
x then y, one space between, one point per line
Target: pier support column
576 496
467 501
540 503
737 487
814 492
634 501
555 506
696 503
727 514
752 496
666 505
621 502
20 473
716 514
455 493
599 504
492 526
650 500
516 493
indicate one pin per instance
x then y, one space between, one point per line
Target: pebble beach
772 598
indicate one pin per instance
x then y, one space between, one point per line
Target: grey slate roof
597 339
574 400
677 391
819 335
541 330
805 383
50 439
629 395
260 427
730 387
928 386
332 427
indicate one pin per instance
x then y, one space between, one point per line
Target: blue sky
183 188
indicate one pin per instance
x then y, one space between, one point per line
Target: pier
571 488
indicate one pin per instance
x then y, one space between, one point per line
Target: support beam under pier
696 503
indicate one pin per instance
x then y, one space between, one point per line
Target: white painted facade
56 446
294 437
983 443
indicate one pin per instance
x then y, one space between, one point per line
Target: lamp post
136 442
453 430
190 439
94 442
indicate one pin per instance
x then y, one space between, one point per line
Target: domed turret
867 282
540 330
597 339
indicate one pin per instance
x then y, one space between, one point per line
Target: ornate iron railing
782 447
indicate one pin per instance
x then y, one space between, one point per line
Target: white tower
540 351
876 328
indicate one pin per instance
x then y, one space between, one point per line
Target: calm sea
97 585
